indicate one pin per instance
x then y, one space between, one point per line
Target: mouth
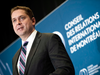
20 28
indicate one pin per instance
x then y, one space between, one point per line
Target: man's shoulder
48 35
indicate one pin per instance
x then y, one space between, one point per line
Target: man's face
22 24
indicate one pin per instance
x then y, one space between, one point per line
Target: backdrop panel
77 22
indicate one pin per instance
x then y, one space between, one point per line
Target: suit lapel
16 60
32 51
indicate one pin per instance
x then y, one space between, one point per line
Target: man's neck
25 37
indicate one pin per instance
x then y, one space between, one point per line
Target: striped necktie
22 59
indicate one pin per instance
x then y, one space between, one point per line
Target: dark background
40 9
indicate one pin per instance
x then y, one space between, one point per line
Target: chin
20 34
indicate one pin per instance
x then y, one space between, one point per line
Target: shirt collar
33 34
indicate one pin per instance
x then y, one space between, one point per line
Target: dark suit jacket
47 57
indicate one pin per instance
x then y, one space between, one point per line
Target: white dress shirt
29 45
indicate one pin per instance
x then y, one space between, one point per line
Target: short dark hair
27 10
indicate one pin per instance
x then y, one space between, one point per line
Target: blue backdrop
77 22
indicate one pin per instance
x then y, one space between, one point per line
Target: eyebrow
18 17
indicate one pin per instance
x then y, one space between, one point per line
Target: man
42 53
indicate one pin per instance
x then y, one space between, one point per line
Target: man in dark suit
45 54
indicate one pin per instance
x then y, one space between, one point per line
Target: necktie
22 59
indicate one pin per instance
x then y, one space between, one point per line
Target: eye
22 17
14 20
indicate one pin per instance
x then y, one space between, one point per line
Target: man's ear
33 21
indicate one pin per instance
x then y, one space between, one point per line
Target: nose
18 22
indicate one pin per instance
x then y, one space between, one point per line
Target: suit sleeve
59 57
